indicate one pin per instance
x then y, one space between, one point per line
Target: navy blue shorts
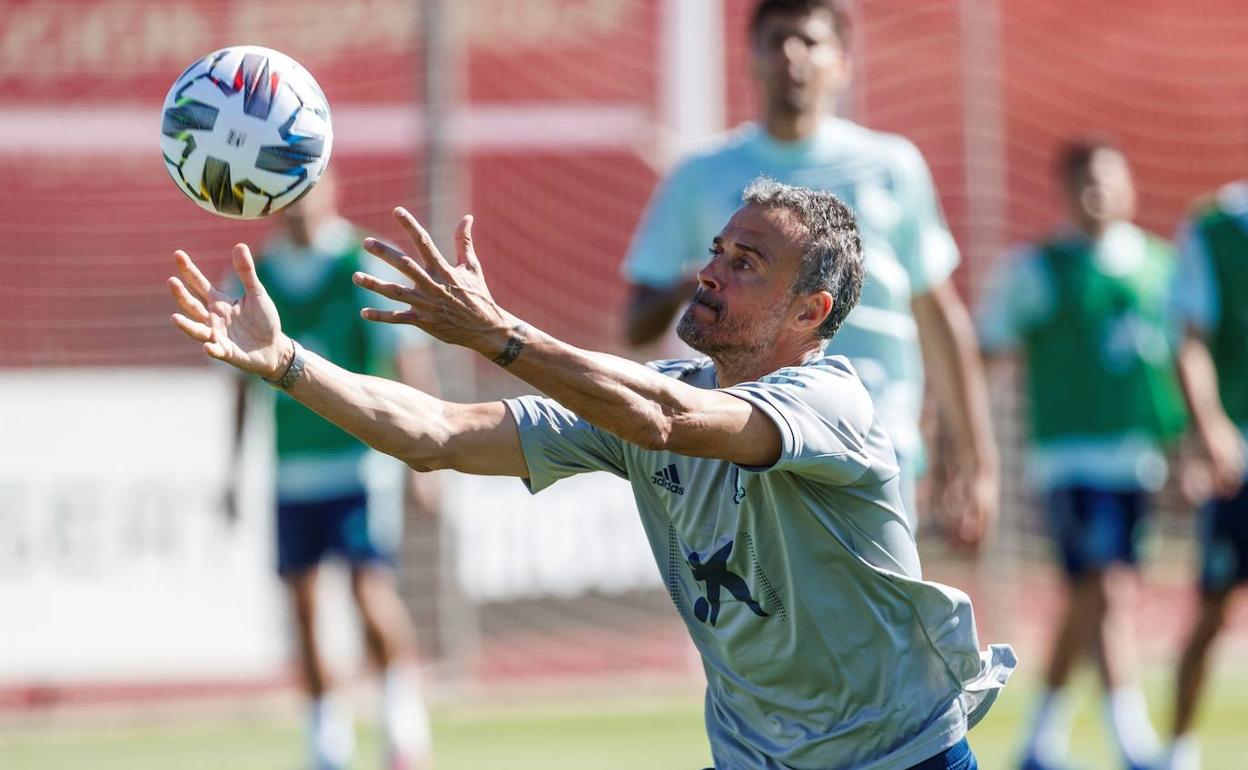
1224 544
309 532
1094 528
957 757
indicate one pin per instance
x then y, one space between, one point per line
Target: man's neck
747 366
1094 230
792 127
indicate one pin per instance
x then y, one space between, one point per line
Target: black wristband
515 344
293 370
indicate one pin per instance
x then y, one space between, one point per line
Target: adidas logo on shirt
669 479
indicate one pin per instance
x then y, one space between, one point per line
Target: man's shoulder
1229 201
827 380
826 368
1023 254
1158 244
881 147
1233 197
718 150
1062 241
694 371
826 389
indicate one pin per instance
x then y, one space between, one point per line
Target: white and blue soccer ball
246 132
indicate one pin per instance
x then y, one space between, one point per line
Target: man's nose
793 48
707 277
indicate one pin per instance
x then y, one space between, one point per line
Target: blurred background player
910 311
335 497
1213 368
1086 310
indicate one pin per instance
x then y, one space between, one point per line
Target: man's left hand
450 302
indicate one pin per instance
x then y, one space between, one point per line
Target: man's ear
813 309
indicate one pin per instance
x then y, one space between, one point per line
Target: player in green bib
764 480
1086 309
335 497
1213 364
910 316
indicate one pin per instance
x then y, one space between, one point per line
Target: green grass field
629 733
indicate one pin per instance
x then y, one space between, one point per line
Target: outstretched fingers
187 302
409 317
245 269
422 240
191 276
463 244
200 332
194 294
394 258
215 346
387 289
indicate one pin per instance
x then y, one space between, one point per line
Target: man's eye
743 264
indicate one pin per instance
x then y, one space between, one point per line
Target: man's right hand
246 332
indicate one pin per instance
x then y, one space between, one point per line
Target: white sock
1183 754
404 718
1049 734
331 733
1128 720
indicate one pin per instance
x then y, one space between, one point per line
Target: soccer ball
245 132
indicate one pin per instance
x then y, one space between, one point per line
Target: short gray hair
832 261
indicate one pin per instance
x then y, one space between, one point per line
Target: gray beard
726 345
688 332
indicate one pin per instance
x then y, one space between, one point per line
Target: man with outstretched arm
765 484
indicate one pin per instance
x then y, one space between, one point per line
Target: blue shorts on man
309 532
1224 544
1094 528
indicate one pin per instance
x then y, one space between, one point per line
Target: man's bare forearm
635 402
389 416
1199 380
947 339
425 432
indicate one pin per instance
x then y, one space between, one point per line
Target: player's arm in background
1195 304
241 402
950 353
665 242
1018 295
238 426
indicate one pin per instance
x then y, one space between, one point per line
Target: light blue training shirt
799 583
